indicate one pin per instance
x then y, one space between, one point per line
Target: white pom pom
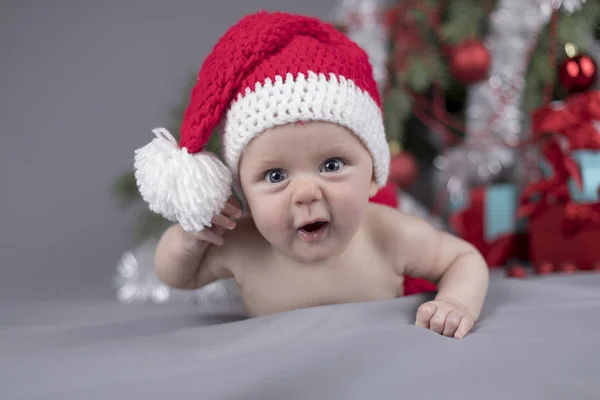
186 188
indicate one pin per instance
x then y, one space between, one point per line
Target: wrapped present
565 130
566 117
586 135
588 162
559 238
546 168
563 207
558 168
488 220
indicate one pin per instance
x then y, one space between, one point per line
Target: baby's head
266 74
307 186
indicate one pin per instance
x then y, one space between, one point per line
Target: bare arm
186 260
422 251
458 268
178 260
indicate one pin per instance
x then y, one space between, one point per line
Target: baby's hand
447 317
220 224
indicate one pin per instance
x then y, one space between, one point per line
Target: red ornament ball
578 74
517 271
470 62
544 268
567 268
403 170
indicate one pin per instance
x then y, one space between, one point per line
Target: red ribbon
553 189
586 136
580 216
469 225
565 118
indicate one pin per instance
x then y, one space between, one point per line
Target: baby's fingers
452 322
223 222
439 319
232 210
465 325
210 235
424 314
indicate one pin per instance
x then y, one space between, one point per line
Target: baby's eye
275 175
332 165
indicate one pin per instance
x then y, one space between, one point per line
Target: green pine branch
465 20
126 190
396 109
462 19
150 225
573 28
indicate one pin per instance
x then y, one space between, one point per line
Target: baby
304 143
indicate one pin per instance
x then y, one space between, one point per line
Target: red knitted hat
267 70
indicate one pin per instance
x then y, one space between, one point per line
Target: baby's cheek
269 221
350 208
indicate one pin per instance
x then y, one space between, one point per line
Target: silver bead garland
494 120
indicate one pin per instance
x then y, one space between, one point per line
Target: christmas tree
469 68
458 78
466 86
516 162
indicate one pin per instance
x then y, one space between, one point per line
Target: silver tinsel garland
411 206
136 283
568 6
363 20
495 121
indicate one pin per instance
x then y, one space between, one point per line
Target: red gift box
469 223
558 238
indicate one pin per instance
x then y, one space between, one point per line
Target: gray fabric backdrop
538 339
82 83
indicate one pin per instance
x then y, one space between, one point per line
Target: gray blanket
538 339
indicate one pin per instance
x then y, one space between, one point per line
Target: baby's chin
311 254
312 259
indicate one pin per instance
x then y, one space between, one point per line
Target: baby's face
307 187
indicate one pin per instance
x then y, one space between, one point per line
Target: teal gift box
589 165
498 205
500 216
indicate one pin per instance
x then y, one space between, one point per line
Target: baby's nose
306 191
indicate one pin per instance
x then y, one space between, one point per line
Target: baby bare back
367 269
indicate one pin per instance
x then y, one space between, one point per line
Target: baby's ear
374 188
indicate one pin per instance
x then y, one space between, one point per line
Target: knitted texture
269 69
184 188
265 45
307 98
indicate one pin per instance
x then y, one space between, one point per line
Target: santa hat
267 70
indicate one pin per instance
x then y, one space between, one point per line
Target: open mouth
314 230
313 226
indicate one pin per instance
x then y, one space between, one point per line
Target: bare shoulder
406 238
422 249
384 225
240 245
245 236
387 224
